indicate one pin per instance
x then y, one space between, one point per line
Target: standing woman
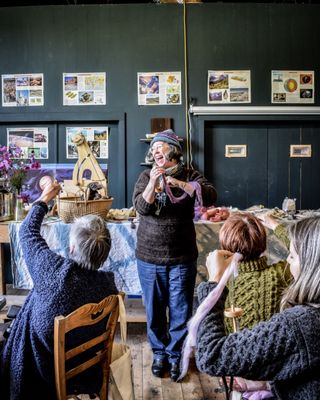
166 250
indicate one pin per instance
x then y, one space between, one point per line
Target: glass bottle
19 213
6 201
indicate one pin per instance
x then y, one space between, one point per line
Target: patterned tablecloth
122 259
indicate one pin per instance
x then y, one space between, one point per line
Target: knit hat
167 136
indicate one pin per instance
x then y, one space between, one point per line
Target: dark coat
60 286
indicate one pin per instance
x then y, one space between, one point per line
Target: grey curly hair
90 240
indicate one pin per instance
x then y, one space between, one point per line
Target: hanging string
186 83
196 186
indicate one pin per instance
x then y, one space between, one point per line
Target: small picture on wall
300 150
235 150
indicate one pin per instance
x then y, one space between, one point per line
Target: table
121 259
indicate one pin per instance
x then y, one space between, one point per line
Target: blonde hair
305 238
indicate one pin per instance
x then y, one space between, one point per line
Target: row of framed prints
159 88
240 150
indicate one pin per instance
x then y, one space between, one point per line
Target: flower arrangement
14 167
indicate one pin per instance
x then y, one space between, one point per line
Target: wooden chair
86 315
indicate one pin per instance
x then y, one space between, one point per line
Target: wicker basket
70 208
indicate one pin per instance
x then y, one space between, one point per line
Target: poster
22 90
159 88
32 141
292 86
229 87
82 89
97 138
58 172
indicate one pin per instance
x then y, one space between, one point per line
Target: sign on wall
22 90
81 89
229 87
31 141
159 88
97 138
292 86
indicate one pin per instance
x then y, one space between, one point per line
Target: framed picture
300 150
236 150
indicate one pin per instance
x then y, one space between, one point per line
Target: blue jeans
167 287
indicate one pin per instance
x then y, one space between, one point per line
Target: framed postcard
235 150
300 150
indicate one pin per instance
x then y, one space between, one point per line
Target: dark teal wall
259 37
125 39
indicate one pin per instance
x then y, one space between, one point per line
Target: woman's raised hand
217 262
155 174
50 191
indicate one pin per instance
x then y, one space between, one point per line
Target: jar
19 212
6 201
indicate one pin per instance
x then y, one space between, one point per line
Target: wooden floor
195 386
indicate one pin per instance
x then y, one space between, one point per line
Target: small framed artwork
300 150
235 150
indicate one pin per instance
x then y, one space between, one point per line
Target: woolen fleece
284 350
170 238
60 286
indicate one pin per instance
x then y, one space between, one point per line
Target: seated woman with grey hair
60 285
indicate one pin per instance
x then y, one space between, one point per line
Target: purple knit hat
167 136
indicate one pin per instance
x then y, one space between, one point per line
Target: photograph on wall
97 138
159 88
292 86
31 141
300 150
235 150
81 89
229 87
22 90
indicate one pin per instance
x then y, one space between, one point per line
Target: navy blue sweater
60 286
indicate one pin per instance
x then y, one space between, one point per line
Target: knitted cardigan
257 289
170 238
60 286
284 350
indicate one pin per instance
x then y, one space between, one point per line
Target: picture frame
236 150
300 150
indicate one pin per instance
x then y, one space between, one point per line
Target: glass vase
6 201
19 212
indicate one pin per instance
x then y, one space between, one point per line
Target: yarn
202 311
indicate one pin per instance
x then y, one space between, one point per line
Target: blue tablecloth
122 259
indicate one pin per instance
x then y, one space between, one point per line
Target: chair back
85 316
